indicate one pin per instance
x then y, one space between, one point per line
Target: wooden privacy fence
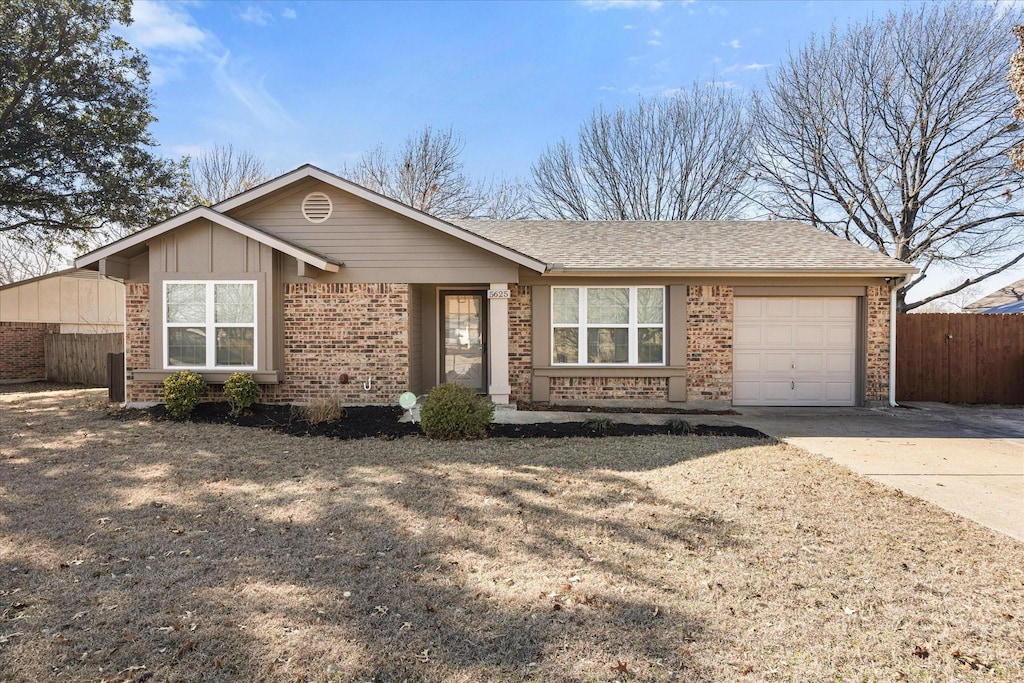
960 357
80 358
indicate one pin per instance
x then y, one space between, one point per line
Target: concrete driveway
968 460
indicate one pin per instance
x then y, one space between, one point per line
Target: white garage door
795 351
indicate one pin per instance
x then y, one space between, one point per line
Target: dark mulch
360 422
653 410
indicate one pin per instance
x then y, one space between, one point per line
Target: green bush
241 391
182 392
452 411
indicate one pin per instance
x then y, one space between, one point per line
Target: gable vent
317 207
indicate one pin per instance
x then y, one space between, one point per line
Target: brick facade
23 350
564 389
335 329
877 365
709 311
520 343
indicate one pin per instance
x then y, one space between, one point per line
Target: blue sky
322 82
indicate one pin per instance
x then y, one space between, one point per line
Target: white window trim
583 325
210 325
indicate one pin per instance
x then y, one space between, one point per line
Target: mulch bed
360 422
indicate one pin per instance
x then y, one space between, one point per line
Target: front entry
463 339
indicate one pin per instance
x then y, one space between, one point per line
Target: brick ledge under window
211 376
612 371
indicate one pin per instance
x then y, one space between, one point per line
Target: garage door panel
778 308
795 351
777 335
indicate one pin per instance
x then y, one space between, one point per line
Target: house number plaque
499 294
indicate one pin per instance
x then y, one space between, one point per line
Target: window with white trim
608 325
210 325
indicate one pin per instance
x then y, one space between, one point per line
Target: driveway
968 460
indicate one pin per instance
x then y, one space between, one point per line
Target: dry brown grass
201 552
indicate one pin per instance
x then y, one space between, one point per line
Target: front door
463 339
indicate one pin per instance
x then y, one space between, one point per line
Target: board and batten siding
83 303
202 250
374 244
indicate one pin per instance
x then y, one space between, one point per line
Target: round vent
317 207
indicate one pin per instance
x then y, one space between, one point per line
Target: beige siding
73 300
374 244
202 250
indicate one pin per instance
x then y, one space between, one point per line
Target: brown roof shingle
687 246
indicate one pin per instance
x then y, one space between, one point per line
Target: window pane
566 308
233 303
607 345
567 345
650 302
186 303
234 346
186 346
650 345
608 305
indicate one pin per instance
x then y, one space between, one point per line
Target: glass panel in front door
463 332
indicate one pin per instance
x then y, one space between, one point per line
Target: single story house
1009 299
320 287
66 302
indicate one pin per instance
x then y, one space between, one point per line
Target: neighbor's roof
687 246
1001 298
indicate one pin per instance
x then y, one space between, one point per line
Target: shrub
677 425
599 425
328 409
452 411
241 391
182 392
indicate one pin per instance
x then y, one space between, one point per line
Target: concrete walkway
968 460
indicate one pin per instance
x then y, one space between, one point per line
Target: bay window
210 325
608 325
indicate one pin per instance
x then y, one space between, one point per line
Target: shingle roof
688 246
1007 296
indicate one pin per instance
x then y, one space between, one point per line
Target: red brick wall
136 346
564 389
709 311
520 342
22 350
877 367
335 329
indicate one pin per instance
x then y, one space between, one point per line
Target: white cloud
655 43
251 92
288 13
725 84
158 25
656 33
734 44
755 66
255 15
601 5
629 27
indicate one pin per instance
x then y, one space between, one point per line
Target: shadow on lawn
216 553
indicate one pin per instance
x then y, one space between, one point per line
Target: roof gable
204 212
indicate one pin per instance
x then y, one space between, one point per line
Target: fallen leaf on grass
921 651
970 661
620 667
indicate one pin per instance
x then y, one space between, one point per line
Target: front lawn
135 550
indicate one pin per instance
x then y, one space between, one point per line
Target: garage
795 351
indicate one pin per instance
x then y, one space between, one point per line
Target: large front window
210 325
608 325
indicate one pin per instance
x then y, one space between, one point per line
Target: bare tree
22 258
223 172
682 157
427 174
895 133
1016 78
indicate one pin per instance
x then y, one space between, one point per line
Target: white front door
795 351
